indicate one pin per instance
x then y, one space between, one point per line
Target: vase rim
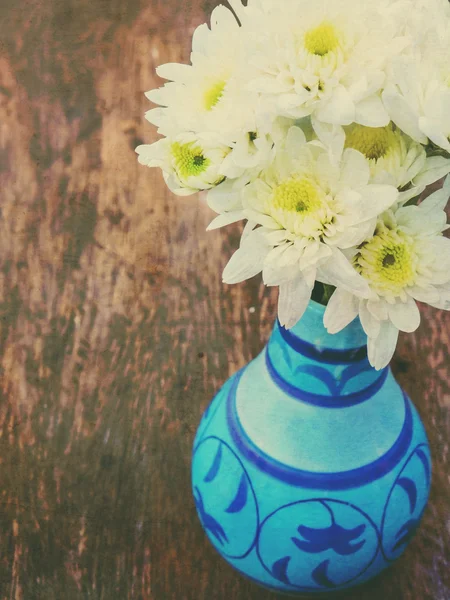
311 328
317 306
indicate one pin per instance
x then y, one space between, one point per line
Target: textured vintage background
115 328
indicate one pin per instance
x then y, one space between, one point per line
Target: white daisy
248 157
394 158
312 58
189 164
417 93
208 96
407 260
308 210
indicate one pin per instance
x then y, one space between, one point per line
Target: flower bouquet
321 124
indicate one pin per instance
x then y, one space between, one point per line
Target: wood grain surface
116 331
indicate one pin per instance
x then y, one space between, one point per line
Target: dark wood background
116 331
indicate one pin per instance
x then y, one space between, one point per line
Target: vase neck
311 401
309 359
311 329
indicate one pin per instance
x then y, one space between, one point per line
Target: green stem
322 293
328 291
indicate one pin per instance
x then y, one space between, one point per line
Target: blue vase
311 470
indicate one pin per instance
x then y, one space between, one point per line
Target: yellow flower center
322 39
297 195
188 159
214 94
373 142
388 262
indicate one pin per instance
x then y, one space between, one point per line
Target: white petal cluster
326 58
320 124
417 90
393 157
406 260
189 163
309 208
201 97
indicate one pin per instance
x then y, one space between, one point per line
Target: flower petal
293 300
157 117
353 236
264 220
332 136
424 294
224 198
200 39
277 236
152 155
370 324
248 261
225 219
174 72
371 112
438 200
339 109
403 115
249 227
355 170
375 199
405 315
255 195
295 140
432 129
341 310
435 168
275 275
378 308
381 349
340 273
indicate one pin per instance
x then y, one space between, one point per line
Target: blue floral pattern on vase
334 382
335 385
407 498
224 498
333 541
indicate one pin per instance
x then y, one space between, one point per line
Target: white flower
248 157
407 260
394 158
250 153
308 119
417 93
189 164
208 96
313 59
308 210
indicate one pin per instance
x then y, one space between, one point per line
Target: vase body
311 470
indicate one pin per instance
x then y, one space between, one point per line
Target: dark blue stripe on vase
341 480
328 355
322 400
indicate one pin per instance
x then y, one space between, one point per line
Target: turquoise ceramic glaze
311 470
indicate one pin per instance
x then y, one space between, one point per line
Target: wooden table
116 330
